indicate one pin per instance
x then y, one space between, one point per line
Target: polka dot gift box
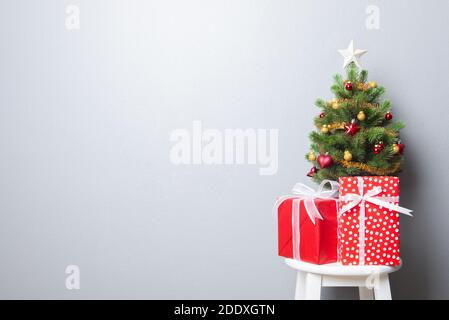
368 232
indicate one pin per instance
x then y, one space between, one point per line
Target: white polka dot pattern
381 224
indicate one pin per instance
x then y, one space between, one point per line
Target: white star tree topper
351 55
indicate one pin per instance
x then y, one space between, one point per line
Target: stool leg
313 286
300 291
382 289
366 294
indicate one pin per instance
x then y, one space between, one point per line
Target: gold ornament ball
395 148
335 105
312 156
372 84
347 156
324 129
361 116
332 102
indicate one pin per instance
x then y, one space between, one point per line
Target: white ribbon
302 192
359 200
296 239
308 194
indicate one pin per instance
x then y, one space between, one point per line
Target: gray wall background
86 117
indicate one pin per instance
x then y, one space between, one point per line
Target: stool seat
337 269
371 280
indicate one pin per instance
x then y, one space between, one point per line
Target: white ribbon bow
370 196
302 192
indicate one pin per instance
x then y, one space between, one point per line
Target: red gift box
305 237
368 230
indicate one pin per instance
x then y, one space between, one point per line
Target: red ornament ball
348 86
401 147
388 116
378 147
322 114
312 171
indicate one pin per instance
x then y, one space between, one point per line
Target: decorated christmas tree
356 134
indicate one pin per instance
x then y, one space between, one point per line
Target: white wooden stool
372 281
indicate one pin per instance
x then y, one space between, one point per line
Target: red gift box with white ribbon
368 232
307 224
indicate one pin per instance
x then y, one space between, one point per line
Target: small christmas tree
356 134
